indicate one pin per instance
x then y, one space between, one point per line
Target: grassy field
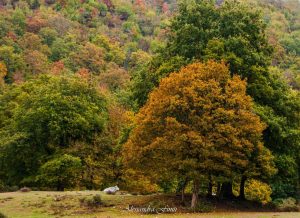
67 204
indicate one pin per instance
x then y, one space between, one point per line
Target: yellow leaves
137 182
236 97
129 117
199 120
3 72
258 191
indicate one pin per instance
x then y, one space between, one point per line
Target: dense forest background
73 75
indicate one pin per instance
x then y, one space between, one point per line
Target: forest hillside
198 97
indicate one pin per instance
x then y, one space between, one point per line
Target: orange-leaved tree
3 73
198 122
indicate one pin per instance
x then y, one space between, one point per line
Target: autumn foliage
154 96
198 122
3 72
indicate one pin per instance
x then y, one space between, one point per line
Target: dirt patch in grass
2 200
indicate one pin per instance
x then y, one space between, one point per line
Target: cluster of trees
65 68
93 36
282 19
74 73
233 32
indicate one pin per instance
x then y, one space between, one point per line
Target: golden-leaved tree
198 122
3 73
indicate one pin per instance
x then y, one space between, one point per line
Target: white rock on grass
111 190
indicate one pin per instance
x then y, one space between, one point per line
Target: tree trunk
226 190
242 188
183 189
182 194
195 196
60 187
219 189
210 188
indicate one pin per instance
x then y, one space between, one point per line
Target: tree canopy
199 122
45 115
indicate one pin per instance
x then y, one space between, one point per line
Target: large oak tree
199 122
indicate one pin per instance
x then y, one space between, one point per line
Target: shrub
258 191
94 201
4 188
2 215
288 204
13 188
35 189
60 172
203 207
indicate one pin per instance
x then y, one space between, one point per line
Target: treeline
65 68
89 97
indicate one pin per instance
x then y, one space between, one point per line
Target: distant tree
109 4
48 35
124 11
19 21
12 60
198 121
36 62
165 7
57 68
31 41
3 72
35 23
113 51
140 4
50 2
60 23
90 57
62 47
35 4
115 78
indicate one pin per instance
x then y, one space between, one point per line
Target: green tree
13 61
60 172
89 56
34 4
48 35
43 116
18 19
201 31
62 47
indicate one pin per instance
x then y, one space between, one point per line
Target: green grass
66 204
